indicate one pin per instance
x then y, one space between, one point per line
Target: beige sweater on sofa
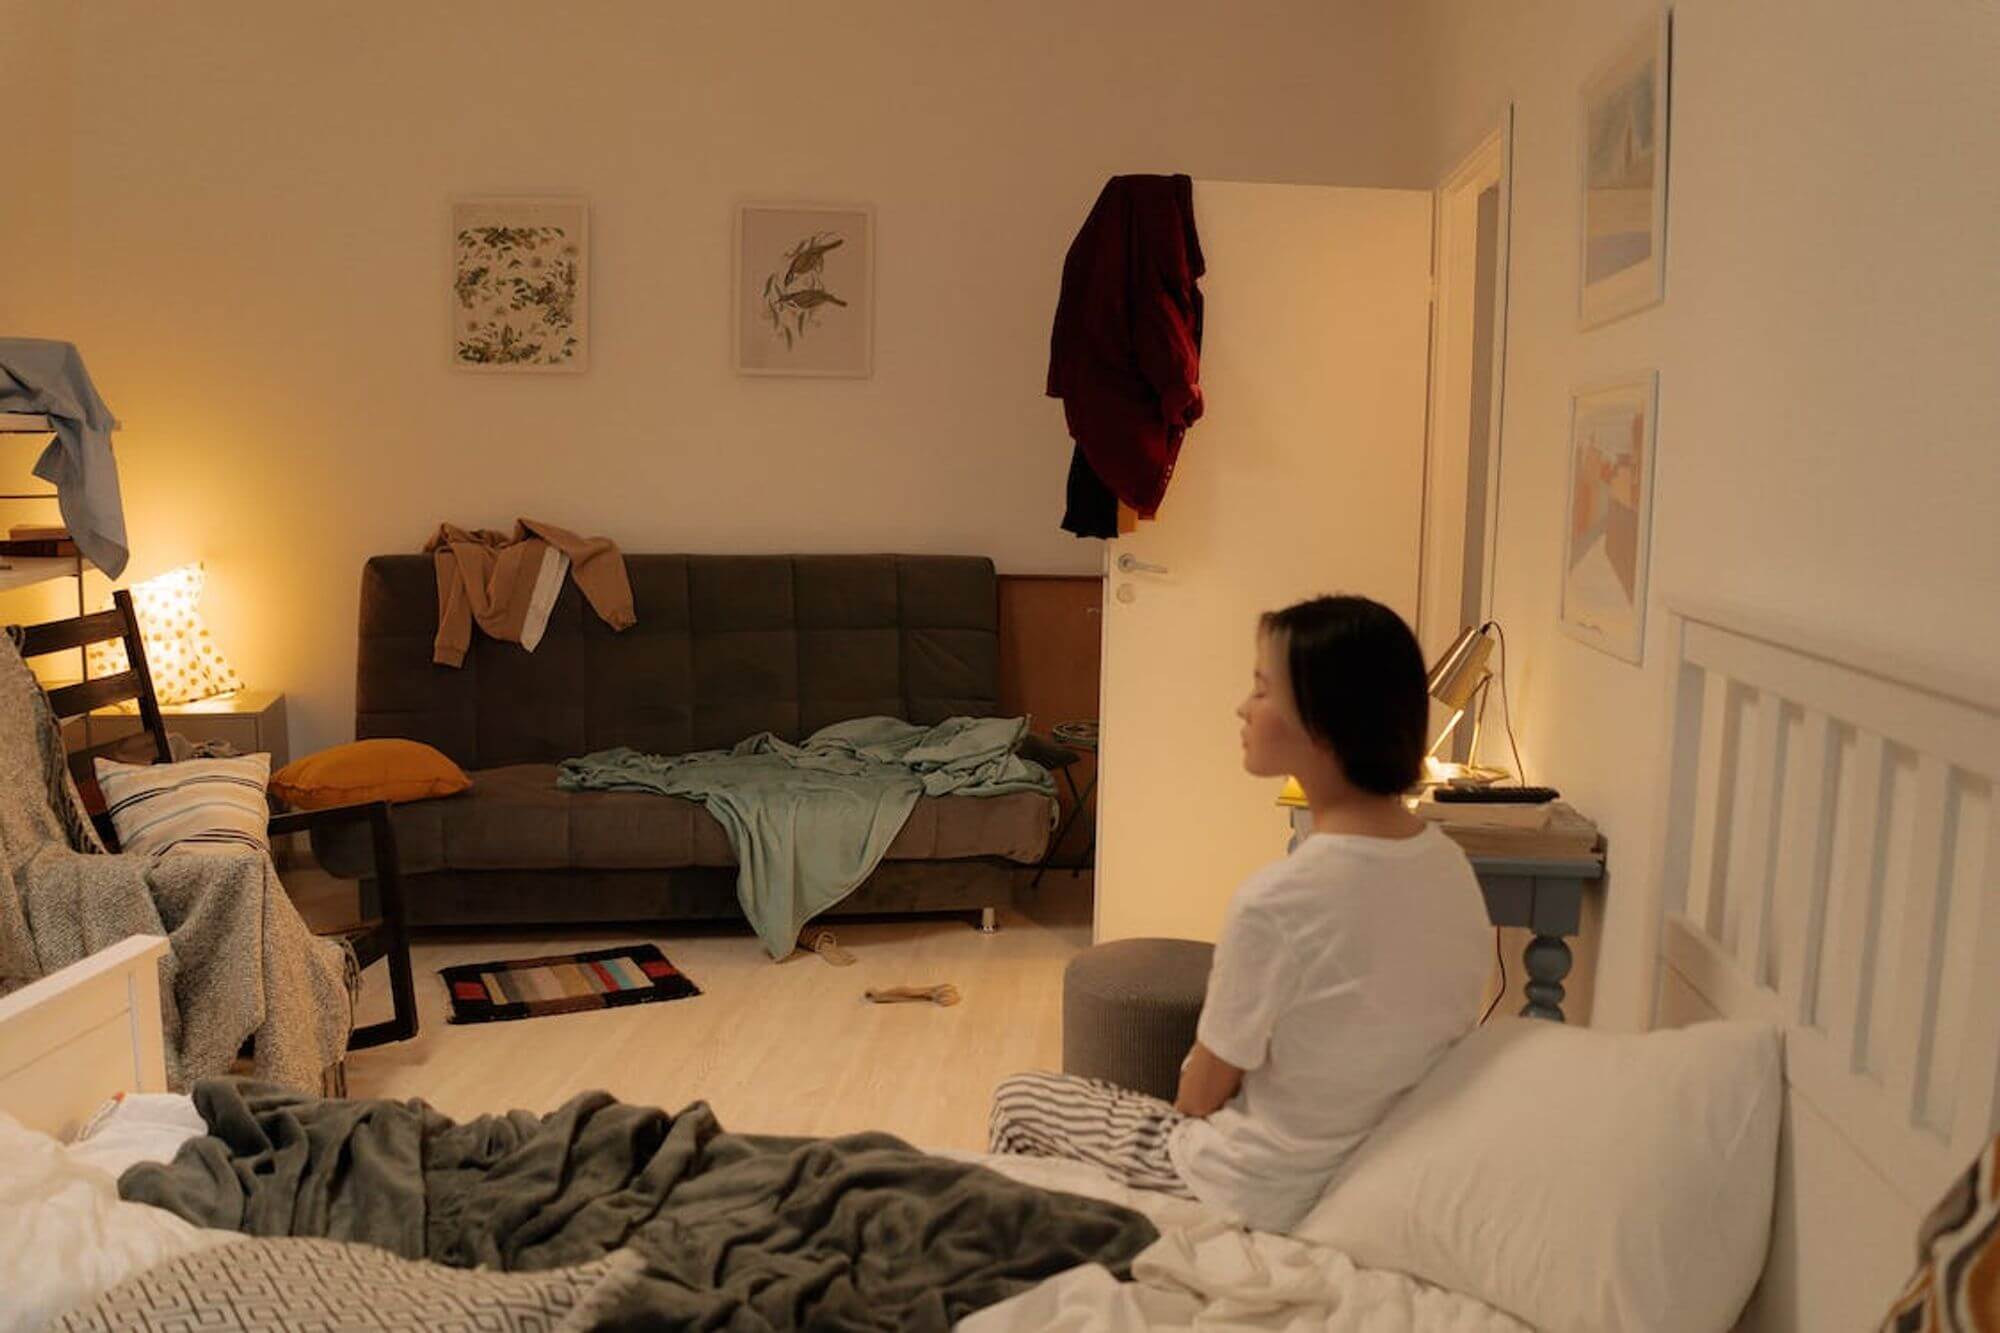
509 584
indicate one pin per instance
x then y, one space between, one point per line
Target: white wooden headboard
81 1035
1832 865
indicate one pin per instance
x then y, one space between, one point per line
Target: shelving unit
18 571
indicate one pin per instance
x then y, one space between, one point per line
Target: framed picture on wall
520 284
804 290
1609 519
1623 223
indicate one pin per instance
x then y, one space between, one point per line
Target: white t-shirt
1343 972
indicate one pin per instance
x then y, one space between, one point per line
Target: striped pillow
198 805
1956 1288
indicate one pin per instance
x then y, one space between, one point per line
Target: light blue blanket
809 822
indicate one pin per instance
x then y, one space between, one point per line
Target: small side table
250 720
1544 893
1074 736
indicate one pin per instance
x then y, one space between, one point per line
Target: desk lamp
1457 681
1459 677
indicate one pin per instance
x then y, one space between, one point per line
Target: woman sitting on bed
1343 971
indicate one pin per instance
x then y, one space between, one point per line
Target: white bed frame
77 1037
1832 866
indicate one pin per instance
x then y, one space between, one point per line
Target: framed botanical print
520 284
804 290
1623 223
1609 519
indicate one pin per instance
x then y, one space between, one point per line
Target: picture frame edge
1649 380
743 207
1657 39
579 201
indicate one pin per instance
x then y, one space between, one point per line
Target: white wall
259 214
38 50
1829 430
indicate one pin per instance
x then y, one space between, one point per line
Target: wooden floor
775 1048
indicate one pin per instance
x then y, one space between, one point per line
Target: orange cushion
363 771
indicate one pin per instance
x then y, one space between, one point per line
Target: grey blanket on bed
714 1230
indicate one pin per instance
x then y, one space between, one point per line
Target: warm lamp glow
180 654
1459 681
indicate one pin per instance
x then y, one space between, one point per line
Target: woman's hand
1207 1083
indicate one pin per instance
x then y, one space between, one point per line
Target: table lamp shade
180 653
1458 673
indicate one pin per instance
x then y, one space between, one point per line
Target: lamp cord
1499 957
1506 712
1507 716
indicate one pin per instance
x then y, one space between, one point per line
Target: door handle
1132 564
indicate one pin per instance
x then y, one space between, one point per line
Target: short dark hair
1358 680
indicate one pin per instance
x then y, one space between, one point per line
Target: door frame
1446 506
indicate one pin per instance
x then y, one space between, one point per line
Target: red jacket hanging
1125 353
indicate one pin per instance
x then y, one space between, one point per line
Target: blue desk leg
1548 961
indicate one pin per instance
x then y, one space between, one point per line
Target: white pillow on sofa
1576 1179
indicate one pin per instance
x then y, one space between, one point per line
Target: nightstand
250 720
1526 882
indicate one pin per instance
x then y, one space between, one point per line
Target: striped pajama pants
1122 1132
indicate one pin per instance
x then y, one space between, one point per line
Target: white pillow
65 1235
1576 1179
197 805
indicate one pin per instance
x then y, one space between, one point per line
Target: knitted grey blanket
242 964
705 1229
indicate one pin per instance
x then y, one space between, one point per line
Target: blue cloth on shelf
40 375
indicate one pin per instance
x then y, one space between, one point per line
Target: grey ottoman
1129 1011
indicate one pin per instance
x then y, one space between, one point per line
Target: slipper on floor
947 994
821 942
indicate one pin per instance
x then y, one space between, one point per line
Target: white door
1304 476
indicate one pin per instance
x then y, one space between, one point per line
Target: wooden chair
386 939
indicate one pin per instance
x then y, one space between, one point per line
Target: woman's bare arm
1207 1082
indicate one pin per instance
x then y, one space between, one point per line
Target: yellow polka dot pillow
179 650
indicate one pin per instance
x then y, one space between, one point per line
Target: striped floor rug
563 984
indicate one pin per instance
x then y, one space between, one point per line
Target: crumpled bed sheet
1206 1274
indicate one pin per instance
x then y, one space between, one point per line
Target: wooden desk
1544 894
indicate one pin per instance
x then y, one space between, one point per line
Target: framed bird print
805 290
